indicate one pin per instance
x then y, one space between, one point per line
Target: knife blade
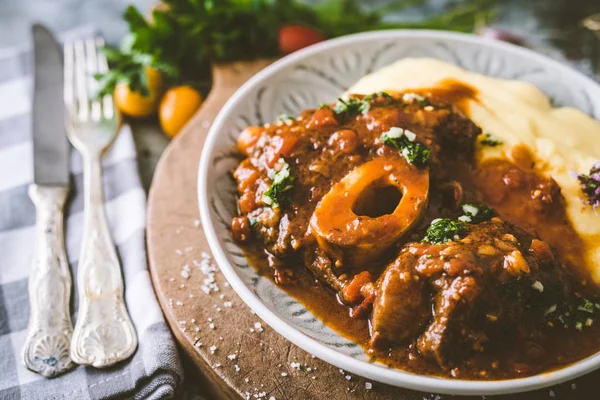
50 145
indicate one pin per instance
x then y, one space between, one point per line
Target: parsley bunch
184 37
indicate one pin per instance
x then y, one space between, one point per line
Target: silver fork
104 334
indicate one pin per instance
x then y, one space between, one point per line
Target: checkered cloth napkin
155 370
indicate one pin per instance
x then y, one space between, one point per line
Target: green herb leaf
490 140
284 117
417 154
444 230
403 140
476 213
348 107
384 99
279 193
575 312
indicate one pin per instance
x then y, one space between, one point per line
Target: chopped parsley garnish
388 98
351 107
368 101
348 107
444 230
490 140
417 154
402 139
284 117
413 97
279 194
476 213
590 185
577 312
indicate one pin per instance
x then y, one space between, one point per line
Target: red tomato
296 37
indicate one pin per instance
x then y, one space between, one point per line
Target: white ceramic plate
320 74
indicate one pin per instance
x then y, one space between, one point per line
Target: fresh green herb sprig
444 230
186 36
476 213
279 193
146 45
404 140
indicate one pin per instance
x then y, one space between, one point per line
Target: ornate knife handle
104 333
46 349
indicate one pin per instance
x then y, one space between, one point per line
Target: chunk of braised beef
485 283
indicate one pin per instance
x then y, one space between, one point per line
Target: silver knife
46 349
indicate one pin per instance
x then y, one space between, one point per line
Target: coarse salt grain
211 326
237 368
196 223
232 356
209 269
213 349
348 377
258 327
227 304
368 385
185 275
295 365
284 374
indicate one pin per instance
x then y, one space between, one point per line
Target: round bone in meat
360 218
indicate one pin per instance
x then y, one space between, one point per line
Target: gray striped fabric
155 370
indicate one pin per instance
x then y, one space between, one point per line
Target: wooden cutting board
236 354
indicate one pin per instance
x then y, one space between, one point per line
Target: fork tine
81 91
92 83
107 101
68 80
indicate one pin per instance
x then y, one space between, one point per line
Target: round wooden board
236 354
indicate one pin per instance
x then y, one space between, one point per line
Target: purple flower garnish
590 185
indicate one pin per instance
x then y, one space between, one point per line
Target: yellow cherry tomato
177 107
135 104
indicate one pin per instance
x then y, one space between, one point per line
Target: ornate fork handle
104 333
46 349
